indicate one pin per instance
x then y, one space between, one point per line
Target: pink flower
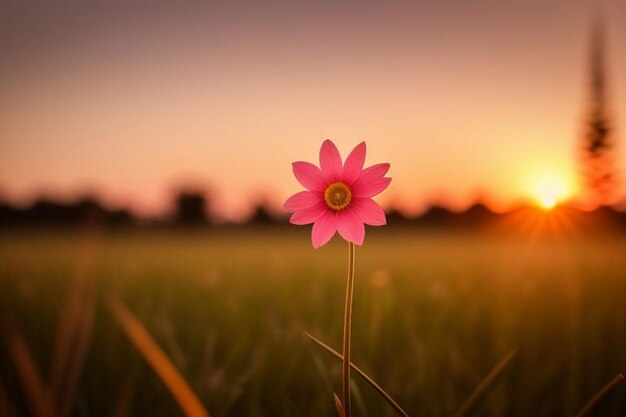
338 196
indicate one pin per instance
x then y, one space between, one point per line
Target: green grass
432 314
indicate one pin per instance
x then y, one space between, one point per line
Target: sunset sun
547 202
550 190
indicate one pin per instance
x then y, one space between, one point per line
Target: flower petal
324 229
369 211
309 176
350 226
309 215
354 164
369 187
303 200
330 161
378 170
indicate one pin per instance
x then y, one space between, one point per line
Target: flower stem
600 395
347 319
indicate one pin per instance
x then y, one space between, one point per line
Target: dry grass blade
71 317
75 327
600 395
480 389
339 405
74 369
122 404
162 366
369 380
37 393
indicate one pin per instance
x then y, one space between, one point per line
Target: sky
466 99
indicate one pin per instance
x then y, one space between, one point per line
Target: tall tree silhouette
597 139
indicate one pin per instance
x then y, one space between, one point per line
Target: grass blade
600 395
480 389
156 358
71 316
339 405
123 402
361 373
35 389
75 366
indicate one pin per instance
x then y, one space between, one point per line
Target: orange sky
463 98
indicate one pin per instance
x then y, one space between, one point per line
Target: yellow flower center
337 196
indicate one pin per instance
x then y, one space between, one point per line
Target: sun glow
550 190
547 202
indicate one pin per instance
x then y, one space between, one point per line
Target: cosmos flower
339 195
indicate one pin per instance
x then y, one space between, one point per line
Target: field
433 313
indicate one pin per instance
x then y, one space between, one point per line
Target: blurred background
145 152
